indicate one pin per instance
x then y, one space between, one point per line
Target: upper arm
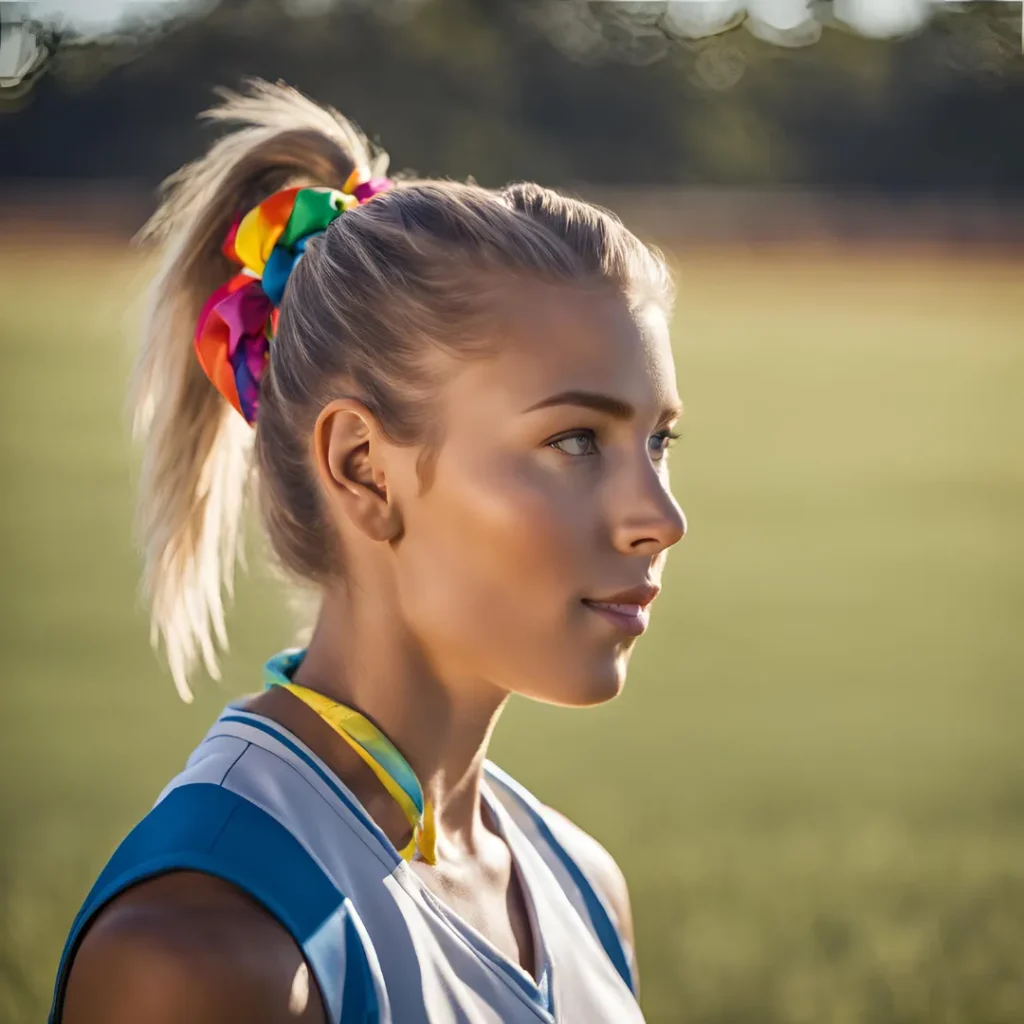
213 958
600 867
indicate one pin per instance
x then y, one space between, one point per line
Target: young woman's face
531 559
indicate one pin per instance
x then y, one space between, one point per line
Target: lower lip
632 624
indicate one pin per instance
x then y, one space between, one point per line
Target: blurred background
814 781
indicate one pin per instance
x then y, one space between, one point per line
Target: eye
579 442
660 442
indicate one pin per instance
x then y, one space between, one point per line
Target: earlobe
347 446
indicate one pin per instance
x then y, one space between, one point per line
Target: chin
600 692
607 684
588 684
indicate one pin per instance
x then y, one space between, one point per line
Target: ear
348 447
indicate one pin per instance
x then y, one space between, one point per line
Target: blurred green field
815 780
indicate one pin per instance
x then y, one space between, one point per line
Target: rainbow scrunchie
239 319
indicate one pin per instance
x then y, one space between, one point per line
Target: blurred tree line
503 89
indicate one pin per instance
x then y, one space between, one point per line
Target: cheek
494 555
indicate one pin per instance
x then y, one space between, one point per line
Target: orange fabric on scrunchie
237 322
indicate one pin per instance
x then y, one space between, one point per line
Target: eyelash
667 436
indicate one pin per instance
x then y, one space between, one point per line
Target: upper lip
642 595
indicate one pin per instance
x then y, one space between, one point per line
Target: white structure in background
881 18
27 27
21 53
779 22
98 16
794 22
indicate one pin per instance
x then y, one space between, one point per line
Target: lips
628 610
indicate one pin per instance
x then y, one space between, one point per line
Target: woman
462 401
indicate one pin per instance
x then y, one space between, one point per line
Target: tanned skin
467 572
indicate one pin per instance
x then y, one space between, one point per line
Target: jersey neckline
535 991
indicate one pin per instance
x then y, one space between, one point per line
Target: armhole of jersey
588 900
204 827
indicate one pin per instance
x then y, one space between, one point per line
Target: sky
870 17
100 15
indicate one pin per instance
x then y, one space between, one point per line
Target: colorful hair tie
239 319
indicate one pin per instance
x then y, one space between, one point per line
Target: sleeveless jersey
256 807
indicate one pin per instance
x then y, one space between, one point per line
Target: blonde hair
389 281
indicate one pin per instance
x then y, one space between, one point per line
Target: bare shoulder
600 868
187 946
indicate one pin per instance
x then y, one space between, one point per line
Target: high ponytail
197 454
387 281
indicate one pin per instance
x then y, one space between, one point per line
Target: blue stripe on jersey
204 827
600 917
265 726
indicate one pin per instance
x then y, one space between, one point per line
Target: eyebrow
617 408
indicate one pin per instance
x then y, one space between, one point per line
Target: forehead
555 338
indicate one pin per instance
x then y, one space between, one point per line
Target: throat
486 894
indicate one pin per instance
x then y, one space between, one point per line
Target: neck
361 656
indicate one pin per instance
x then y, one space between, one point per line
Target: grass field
815 780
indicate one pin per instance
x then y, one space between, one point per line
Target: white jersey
256 807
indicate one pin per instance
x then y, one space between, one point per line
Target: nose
646 519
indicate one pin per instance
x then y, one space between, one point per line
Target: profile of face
530 560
